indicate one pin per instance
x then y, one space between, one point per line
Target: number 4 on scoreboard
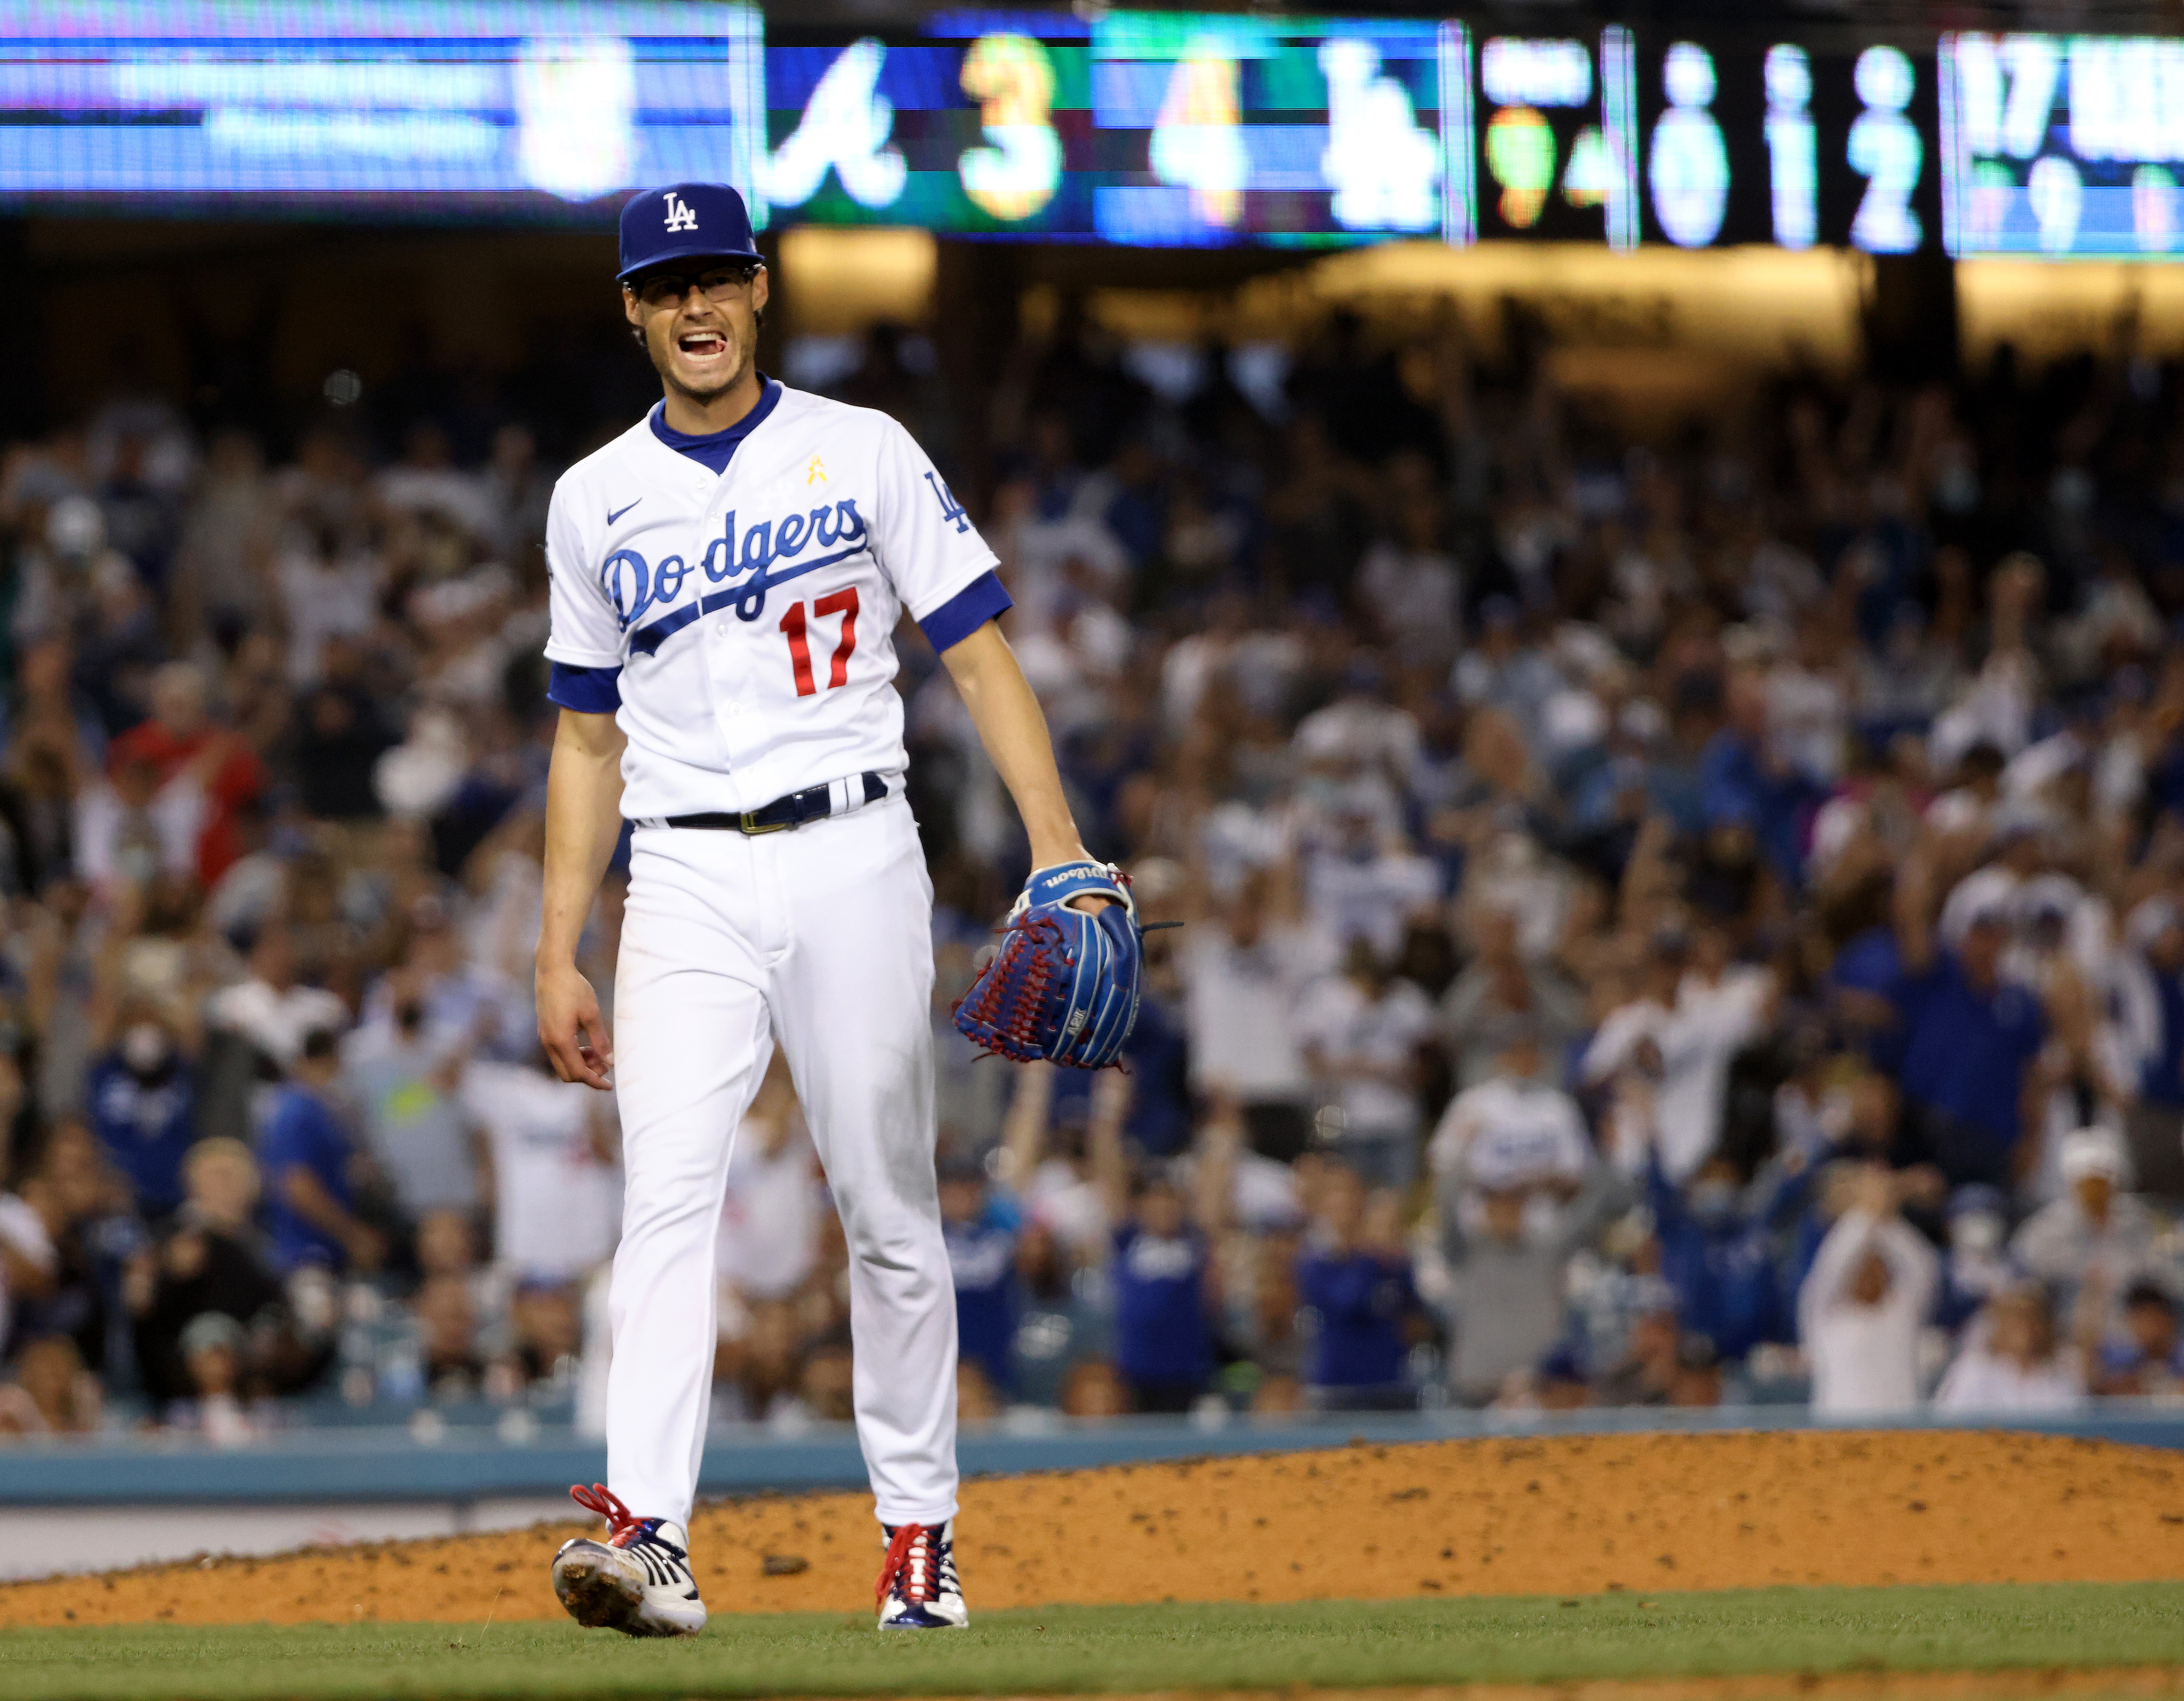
841 602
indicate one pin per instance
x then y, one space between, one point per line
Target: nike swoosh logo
619 512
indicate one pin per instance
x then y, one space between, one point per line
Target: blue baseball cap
684 221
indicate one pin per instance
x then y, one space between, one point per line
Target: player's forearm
584 819
1013 729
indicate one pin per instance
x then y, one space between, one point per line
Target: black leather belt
813 803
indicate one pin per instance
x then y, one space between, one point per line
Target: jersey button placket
719 633
719 675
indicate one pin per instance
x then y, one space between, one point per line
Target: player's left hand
1091 903
1063 987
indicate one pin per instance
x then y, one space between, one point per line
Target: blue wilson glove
1063 986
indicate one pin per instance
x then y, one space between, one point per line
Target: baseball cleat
918 1589
638 1580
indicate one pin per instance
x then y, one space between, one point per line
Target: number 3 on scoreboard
841 602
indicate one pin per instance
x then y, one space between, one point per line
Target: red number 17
841 602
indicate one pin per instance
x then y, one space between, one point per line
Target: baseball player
728 575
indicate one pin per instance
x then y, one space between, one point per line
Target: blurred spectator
29 1263
1158 1055
1061 1324
2012 1361
1244 973
210 1348
1365 883
546 1331
1864 1303
1977 1265
273 1012
142 1100
1515 1129
468 997
2143 1357
1094 1389
185 752
1499 982
211 1262
1360 1032
976 1405
421 1135
52 1392
1696 1010
760 1368
129 831
310 1163
339 737
1509 1251
2148 975
556 1186
1046 1159
450 1353
982 1231
1661 1365
1355 1276
1972 1040
61 1308
2090 1245
1162 1269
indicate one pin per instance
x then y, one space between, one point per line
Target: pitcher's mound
1568 1516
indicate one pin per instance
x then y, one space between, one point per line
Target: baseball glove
1062 988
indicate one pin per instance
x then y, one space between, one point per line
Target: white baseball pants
823 936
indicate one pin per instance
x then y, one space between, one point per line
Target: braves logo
680 217
634 587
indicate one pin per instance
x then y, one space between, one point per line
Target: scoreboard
448 108
1160 129
1210 129
1184 129
2063 145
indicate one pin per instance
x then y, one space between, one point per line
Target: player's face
700 324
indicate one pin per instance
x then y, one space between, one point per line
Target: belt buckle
752 826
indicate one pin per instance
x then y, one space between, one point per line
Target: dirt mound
1569 1515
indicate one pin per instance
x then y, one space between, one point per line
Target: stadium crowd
1675 923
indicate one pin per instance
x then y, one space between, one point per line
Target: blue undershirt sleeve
587 691
980 601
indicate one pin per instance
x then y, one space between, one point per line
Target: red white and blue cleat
638 1580
918 1588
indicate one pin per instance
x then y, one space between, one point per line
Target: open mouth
702 345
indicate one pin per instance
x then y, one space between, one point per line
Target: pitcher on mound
727 578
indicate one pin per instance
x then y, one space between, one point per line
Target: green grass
1081 1649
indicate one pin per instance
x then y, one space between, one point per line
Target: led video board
1625 138
1133 127
1557 136
978 124
2062 145
521 107
1184 129
1167 129
1210 128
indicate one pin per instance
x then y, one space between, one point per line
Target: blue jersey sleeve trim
980 601
587 691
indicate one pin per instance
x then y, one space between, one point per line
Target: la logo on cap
679 215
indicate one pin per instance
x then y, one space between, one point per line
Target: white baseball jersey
741 622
